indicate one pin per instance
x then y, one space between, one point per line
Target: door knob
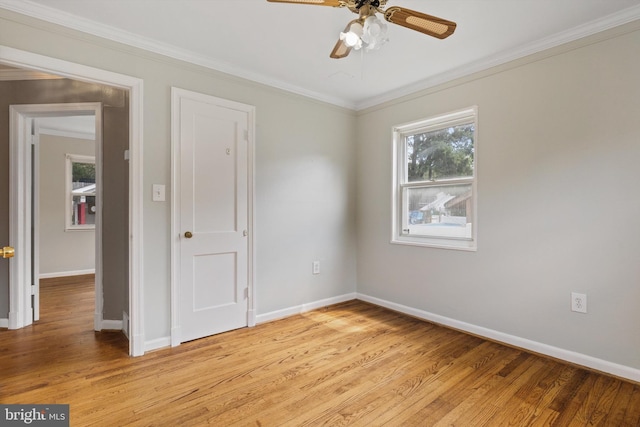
7 252
188 234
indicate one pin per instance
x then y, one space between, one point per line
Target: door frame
23 189
23 59
177 95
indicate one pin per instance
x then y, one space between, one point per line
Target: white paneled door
213 209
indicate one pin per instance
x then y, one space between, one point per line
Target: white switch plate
158 193
316 267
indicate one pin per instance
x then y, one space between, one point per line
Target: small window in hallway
81 192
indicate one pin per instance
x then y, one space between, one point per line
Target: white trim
23 211
67 134
613 20
177 95
111 325
587 361
136 247
23 59
4 323
399 206
66 273
251 218
157 344
20 313
303 308
98 29
176 330
68 20
35 185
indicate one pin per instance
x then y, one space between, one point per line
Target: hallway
63 336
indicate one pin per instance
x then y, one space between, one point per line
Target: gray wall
558 149
115 188
115 218
305 174
61 251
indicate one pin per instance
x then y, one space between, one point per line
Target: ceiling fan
369 32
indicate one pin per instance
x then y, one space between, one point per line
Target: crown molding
54 16
67 20
68 134
588 29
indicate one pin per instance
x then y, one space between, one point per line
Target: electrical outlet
578 302
316 267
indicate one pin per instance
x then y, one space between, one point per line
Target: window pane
440 154
83 210
439 211
83 173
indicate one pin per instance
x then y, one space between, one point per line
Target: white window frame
399 215
70 160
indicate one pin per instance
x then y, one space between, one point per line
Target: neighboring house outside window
81 192
434 188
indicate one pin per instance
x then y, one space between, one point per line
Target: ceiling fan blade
340 50
418 21
334 3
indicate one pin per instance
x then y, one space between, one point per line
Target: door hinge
33 289
246 293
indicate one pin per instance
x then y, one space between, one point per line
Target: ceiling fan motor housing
356 5
372 3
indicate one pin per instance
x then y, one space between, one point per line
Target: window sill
88 228
429 242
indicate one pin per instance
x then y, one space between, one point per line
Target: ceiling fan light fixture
374 33
353 37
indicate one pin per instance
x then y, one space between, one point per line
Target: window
81 192
434 200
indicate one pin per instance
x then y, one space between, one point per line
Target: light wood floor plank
350 364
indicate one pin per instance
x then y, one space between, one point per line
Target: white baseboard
534 346
111 325
302 308
4 323
66 273
157 344
136 345
251 318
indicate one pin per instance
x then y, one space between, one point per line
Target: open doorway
65 216
113 91
27 211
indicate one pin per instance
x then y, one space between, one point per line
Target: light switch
158 193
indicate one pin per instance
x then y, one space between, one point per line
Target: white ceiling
288 45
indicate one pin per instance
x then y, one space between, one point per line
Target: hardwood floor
349 364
